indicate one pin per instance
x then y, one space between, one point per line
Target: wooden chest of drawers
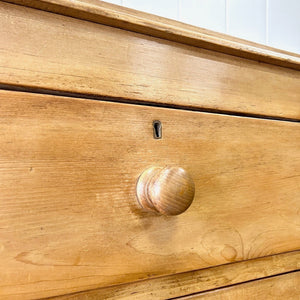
82 83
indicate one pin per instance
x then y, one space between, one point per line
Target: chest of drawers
92 95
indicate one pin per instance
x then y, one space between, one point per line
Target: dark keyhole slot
157 130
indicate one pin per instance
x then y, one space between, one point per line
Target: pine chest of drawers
142 158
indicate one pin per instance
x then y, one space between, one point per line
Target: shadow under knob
168 190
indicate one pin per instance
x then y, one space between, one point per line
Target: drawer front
84 57
69 219
285 287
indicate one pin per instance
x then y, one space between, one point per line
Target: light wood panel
194 282
50 51
285 287
69 217
129 19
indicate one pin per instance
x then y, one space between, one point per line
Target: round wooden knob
169 190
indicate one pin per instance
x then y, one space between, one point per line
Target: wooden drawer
69 217
89 58
276 288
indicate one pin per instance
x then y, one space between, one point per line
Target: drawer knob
168 190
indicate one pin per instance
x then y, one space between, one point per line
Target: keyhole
157 129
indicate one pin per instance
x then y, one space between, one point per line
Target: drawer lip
145 23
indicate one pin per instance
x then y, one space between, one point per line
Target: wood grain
196 281
286 287
42 50
69 216
136 21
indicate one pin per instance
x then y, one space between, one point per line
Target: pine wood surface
285 287
196 281
69 217
42 50
125 18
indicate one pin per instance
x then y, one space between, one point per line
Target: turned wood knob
169 190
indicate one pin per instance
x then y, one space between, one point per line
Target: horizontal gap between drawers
234 284
140 102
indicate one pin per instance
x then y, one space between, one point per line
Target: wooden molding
136 21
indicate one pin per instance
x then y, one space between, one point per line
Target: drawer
88 58
69 218
276 288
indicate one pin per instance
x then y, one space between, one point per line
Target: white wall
272 22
